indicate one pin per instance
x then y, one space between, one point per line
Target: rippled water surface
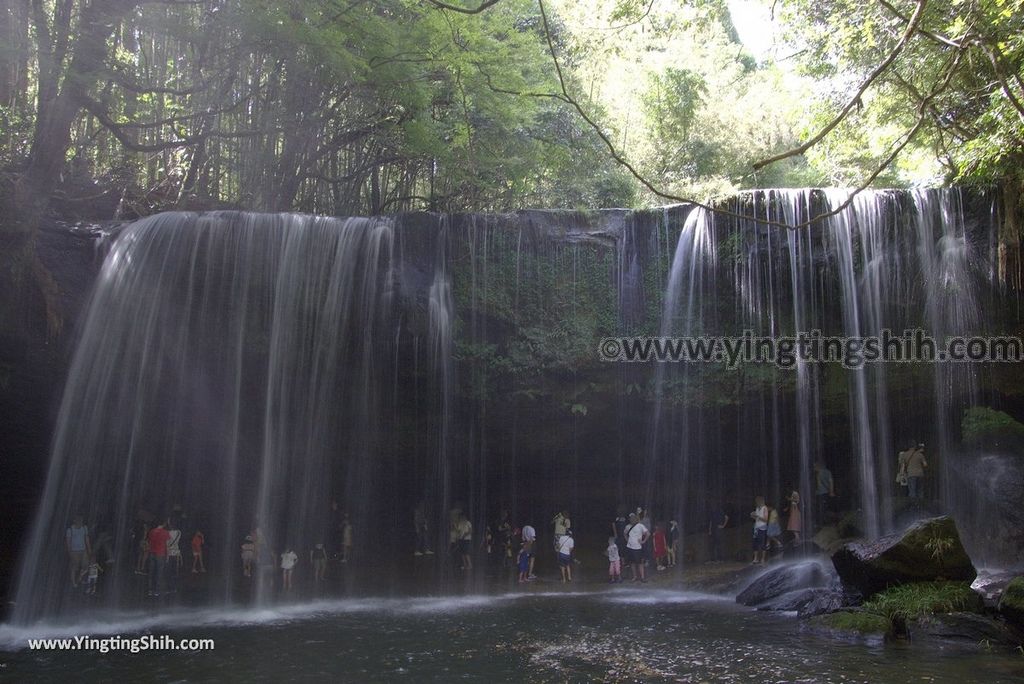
623 634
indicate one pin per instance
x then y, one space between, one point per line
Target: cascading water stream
228 370
888 261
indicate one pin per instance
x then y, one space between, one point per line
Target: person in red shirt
157 538
660 547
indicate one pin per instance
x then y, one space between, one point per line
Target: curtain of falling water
227 367
891 260
441 314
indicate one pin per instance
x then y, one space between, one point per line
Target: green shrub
911 601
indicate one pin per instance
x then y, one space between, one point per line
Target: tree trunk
60 103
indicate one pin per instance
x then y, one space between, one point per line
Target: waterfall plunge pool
537 635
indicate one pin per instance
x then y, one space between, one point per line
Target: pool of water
618 634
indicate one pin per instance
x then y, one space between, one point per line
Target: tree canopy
125 107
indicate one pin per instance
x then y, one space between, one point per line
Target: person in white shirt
565 547
288 560
614 561
529 539
636 537
760 517
174 547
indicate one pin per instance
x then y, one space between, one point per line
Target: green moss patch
859 621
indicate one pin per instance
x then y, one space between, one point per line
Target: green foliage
986 426
938 546
971 129
306 105
890 610
911 601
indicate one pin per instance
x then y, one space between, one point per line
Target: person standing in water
529 542
318 561
346 539
794 523
419 521
157 557
288 560
504 531
142 544
198 540
614 561
825 490
78 547
464 541
673 542
565 547
561 525
717 522
174 548
760 517
523 563
248 555
636 536
660 547
619 529
91 576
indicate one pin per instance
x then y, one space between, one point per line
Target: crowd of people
635 542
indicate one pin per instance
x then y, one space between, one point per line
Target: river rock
783 580
970 629
1011 605
870 567
807 602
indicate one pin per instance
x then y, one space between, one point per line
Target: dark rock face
1011 605
988 510
807 602
929 550
783 580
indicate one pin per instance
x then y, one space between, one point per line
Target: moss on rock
858 621
1011 605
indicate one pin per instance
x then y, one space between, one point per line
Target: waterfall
229 370
889 260
243 372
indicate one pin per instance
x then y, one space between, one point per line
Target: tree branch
856 99
622 161
464 10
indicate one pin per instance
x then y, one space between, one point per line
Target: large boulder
785 579
807 602
928 550
969 629
1011 605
